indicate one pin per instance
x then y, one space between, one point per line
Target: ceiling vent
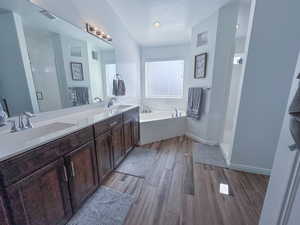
47 14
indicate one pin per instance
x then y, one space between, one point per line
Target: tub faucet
111 102
98 100
176 112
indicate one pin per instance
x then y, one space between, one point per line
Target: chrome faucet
28 116
22 125
176 112
14 127
111 102
98 100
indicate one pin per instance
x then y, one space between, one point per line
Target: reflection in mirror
67 66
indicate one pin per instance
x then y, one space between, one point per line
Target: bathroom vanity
47 184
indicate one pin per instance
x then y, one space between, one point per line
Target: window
164 79
110 73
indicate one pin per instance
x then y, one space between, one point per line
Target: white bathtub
160 125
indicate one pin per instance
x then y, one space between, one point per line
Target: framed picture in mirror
77 71
200 66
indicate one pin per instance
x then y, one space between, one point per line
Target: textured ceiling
176 17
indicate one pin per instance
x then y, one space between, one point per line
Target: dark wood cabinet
131 128
83 174
41 198
46 185
104 155
128 135
117 144
4 220
136 131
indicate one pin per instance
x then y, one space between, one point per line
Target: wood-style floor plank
178 191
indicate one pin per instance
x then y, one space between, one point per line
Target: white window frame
146 95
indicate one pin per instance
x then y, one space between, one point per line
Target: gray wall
15 67
221 27
272 46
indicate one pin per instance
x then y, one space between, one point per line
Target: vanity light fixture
47 14
108 37
97 32
156 24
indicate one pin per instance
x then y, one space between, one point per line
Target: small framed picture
202 39
39 95
200 66
77 71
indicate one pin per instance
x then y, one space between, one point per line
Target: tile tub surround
13 144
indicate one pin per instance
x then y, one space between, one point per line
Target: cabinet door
83 172
128 135
104 155
136 131
41 198
118 144
3 212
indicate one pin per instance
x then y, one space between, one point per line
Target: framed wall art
77 71
200 66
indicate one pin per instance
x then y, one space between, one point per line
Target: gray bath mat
105 207
207 154
138 162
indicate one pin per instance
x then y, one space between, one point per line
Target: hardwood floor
178 191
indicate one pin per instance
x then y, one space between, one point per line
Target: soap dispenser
3 116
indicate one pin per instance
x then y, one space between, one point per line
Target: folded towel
115 87
195 96
121 88
80 95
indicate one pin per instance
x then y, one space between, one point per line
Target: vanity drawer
132 114
73 141
106 125
14 169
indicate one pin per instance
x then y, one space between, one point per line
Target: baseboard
202 140
250 169
226 157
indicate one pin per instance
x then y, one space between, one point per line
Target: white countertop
12 144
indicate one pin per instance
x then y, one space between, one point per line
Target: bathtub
160 125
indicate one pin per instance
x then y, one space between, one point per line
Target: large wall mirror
47 63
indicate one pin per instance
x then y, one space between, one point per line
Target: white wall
176 52
67 43
278 183
95 69
199 128
101 14
15 67
221 27
107 57
235 83
267 76
43 68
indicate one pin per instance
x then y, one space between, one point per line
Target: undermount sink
38 132
120 107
